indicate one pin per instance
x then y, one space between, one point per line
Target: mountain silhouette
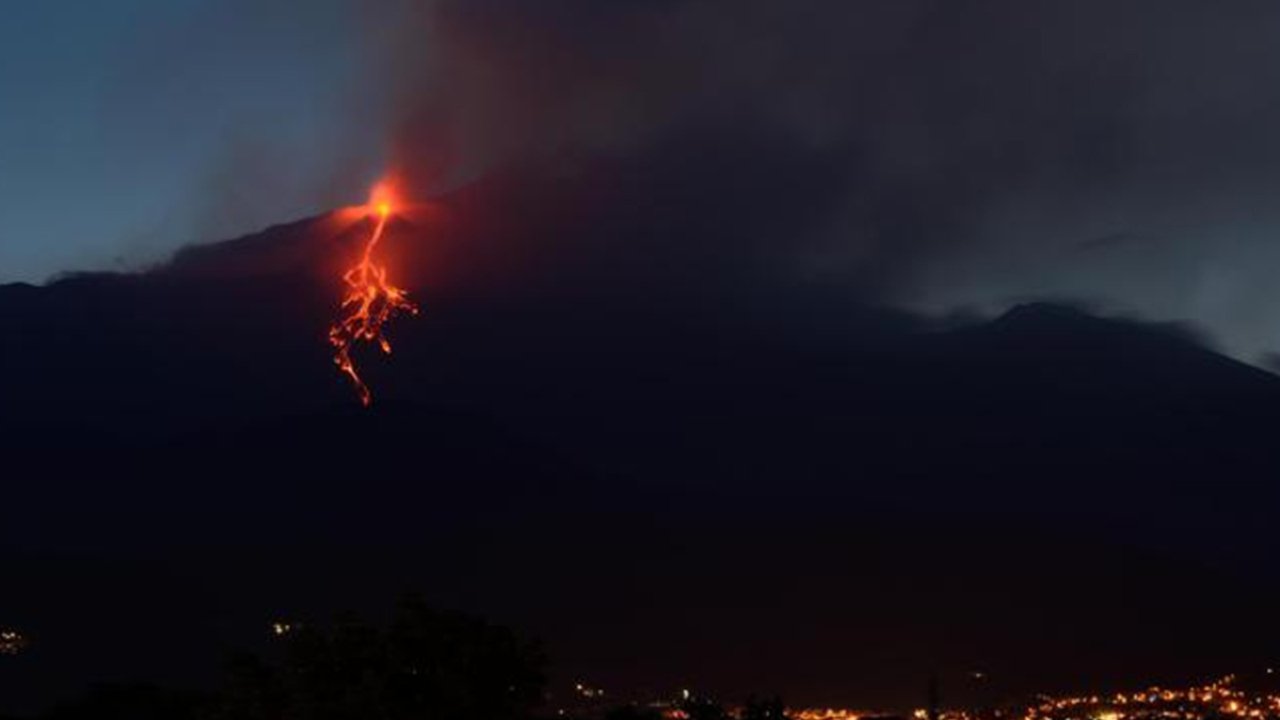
614 459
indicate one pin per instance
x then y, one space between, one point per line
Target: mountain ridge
701 436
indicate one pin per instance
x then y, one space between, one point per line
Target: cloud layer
934 155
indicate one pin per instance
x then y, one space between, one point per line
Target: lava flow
370 302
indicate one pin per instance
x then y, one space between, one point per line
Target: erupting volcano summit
371 300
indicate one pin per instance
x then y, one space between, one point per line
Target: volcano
631 460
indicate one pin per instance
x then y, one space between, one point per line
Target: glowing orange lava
370 301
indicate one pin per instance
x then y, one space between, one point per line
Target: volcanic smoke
371 301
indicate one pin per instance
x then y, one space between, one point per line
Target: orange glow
370 301
382 198
1220 700
825 714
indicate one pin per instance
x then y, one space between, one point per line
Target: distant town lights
12 642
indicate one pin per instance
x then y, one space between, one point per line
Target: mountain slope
619 461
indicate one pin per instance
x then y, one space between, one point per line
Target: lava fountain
370 301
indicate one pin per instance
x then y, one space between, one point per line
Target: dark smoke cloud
933 154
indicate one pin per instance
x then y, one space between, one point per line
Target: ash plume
932 155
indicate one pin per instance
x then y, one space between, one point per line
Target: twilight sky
130 128
954 155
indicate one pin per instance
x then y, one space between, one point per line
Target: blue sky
130 127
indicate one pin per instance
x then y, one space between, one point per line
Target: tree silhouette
130 702
704 709
632 712
425 664
764 709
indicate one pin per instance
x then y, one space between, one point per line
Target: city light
12 642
